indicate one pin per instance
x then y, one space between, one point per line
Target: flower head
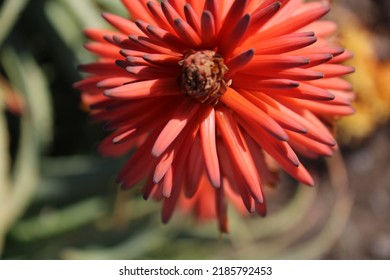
215 94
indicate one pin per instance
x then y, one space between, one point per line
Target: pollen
202 76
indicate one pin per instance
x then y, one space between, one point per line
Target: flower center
203 76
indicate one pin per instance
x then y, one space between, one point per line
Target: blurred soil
367 233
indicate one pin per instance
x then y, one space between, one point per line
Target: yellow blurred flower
371 83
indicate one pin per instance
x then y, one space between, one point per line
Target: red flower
214 92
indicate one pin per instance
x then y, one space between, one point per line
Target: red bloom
214 92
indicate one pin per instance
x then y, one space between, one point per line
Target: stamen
203 76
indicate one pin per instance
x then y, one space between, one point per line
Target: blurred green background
58 197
